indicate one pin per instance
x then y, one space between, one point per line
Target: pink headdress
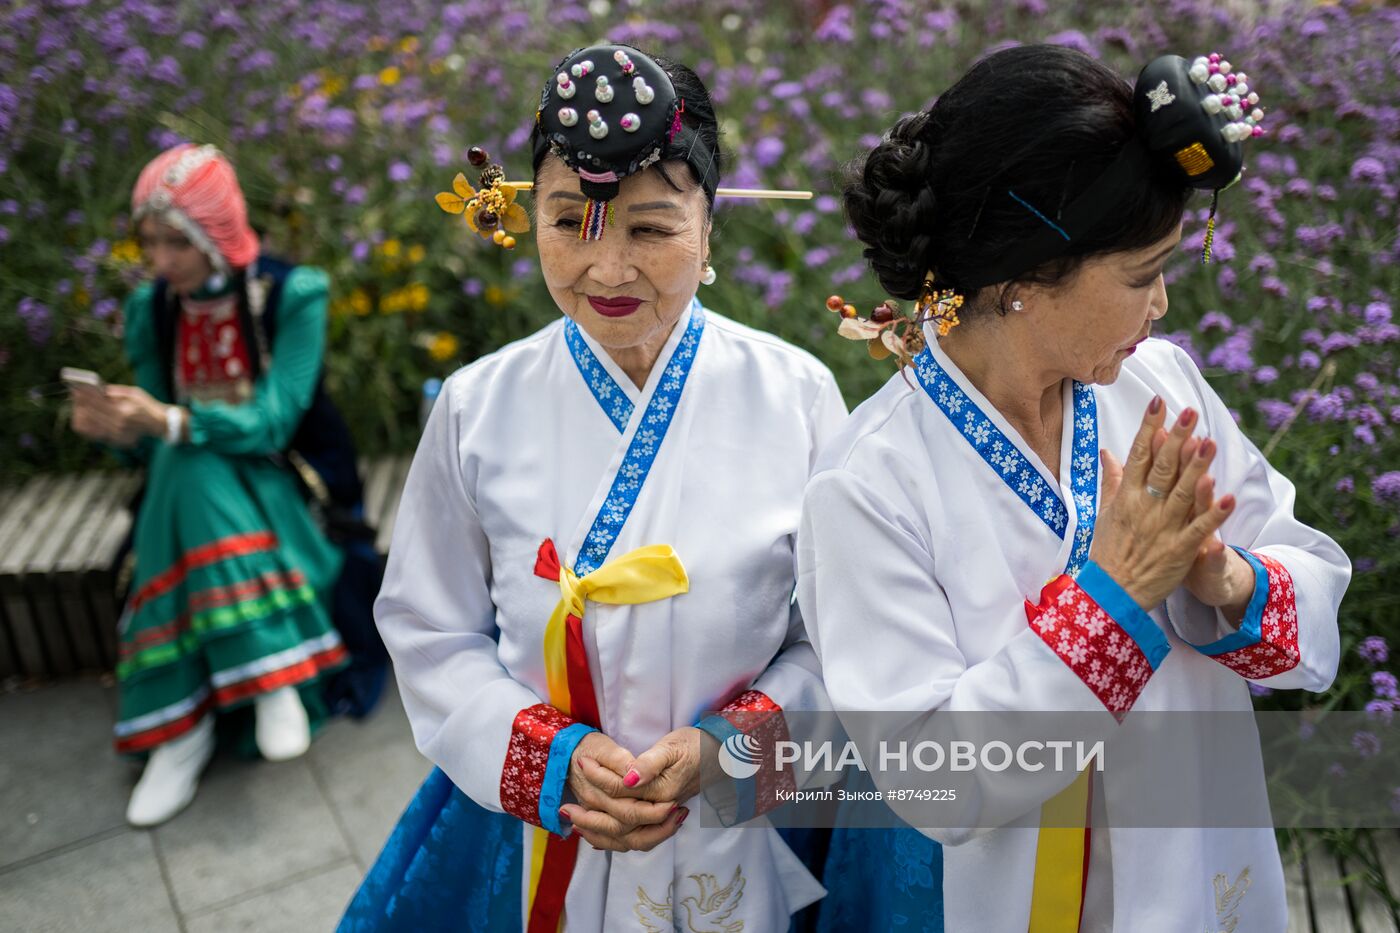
194 189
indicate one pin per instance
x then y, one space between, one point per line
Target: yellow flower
81 298
443 347
126 251
409 44
390 76
390 248
496 296
359 302
332 85
417 296
416 253
436 66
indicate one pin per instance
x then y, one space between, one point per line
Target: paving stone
253 824
112 884
60 779
309 904
369 770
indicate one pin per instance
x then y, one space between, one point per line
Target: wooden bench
59 538
1328 895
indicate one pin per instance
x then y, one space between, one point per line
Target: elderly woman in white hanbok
594 548
1049 192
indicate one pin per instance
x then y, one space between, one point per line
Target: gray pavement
264 847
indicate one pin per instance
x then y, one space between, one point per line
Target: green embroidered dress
231 590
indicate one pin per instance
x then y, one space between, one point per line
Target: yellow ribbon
641 576
644 575
1058 889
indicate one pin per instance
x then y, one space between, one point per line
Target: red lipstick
615 307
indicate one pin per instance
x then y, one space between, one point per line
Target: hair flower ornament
490 211
891 331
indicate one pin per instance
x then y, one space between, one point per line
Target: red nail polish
1227 503
681 819
1188 417
1208 448
631 779
1155 405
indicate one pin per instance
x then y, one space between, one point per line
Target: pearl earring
707 274
1018 305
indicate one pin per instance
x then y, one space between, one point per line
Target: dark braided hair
1042 121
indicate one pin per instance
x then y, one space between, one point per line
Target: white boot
172 776
283 731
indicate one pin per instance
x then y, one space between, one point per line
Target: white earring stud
1018 305
707 274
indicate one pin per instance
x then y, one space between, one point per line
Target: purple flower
1235 353
38 320
400 171
1367 169
1366 744
1265 375
104 308
1377 313
1275 413
1215 320
473 287
1074 39
1373 648
837 26
767 151
1380 710
1386 487
1385 685
1346 485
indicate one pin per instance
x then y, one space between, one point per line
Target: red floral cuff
527 758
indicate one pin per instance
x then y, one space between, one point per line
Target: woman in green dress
230 596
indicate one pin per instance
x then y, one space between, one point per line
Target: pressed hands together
1157 527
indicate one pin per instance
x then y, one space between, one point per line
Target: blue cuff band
556 774
746 789
1251 629
1115 601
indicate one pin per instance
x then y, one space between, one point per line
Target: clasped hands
627 802
1157 527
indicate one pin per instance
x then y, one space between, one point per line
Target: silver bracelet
174 424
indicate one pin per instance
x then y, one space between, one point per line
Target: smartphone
84 378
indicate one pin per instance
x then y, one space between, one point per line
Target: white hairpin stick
770 193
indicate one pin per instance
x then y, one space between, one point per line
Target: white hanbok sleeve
793 680
886 635
492 735
1288 638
